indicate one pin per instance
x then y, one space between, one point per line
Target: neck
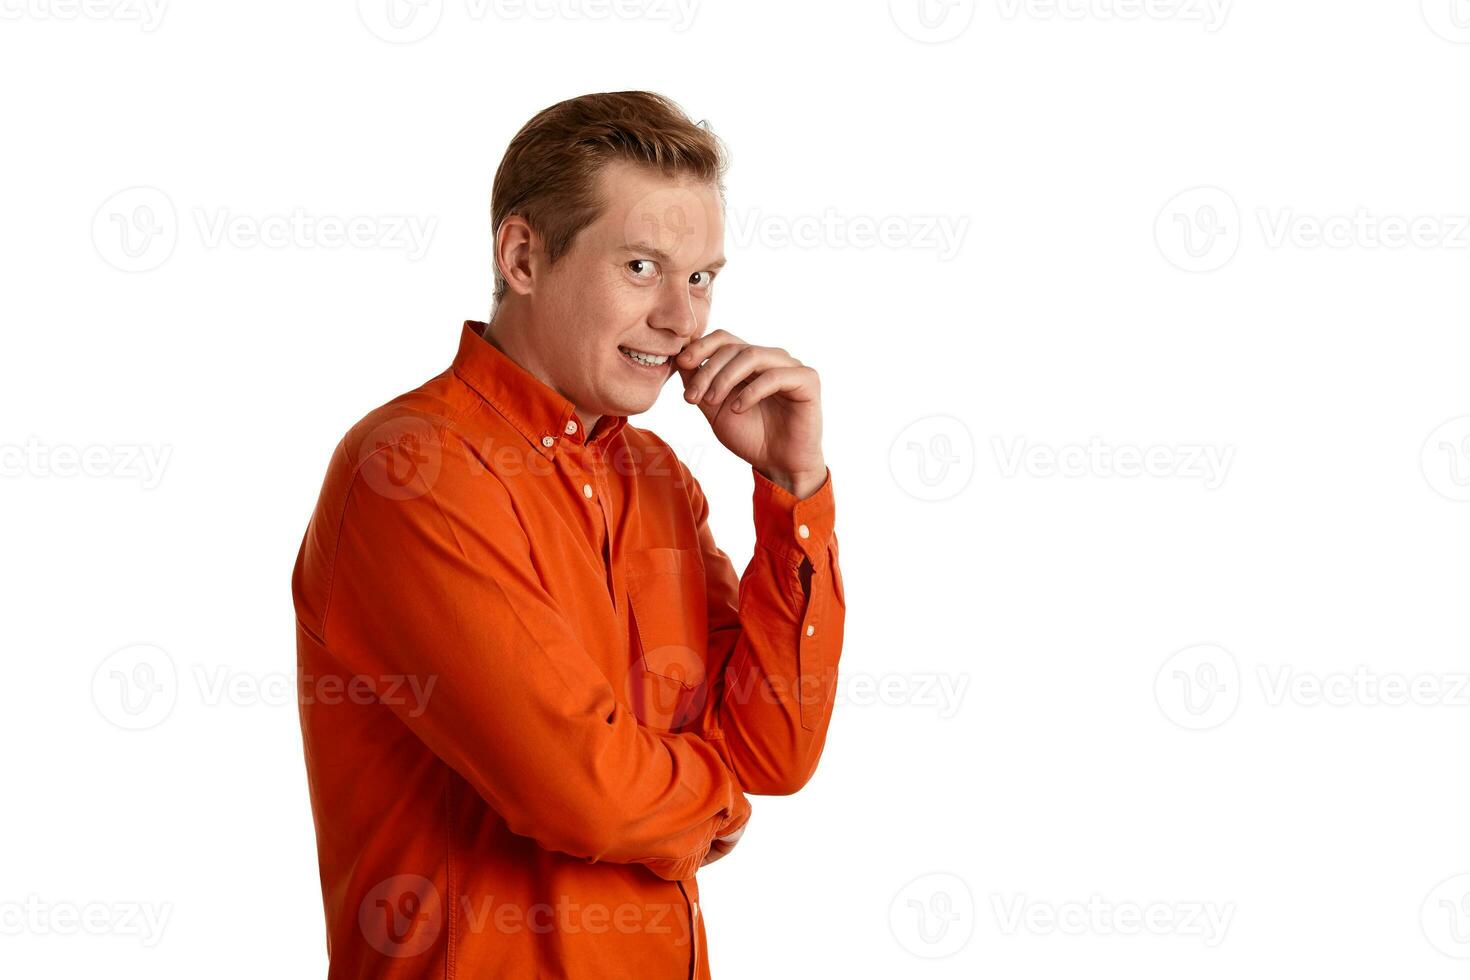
510 332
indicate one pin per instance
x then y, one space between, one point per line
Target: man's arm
777 633
424 587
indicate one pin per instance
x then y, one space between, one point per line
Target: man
534 695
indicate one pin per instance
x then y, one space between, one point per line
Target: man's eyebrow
654 252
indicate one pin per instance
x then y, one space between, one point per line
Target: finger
741 366
698 382
797 383
703 347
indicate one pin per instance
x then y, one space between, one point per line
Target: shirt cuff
791 527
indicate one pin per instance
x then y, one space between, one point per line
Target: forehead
680 216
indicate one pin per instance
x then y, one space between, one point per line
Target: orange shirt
532 688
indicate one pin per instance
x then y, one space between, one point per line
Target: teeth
652 360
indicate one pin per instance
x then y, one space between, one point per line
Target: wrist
800 485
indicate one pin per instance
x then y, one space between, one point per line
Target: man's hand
763 405
721 846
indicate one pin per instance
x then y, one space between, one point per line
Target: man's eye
702 278
642 268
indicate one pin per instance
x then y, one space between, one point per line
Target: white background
1178 232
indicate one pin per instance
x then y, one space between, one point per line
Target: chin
632 408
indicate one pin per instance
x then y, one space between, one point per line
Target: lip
655 353
663 368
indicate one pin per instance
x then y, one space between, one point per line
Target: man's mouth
644 358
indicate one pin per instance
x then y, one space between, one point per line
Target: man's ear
515 243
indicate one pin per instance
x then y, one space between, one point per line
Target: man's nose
674 312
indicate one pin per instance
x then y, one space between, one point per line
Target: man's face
638 278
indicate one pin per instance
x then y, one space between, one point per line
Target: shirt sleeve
435 580
777 632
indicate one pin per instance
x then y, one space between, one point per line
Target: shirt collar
538 411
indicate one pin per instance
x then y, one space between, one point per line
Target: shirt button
810 629
548 441
587 490
571 426
804 531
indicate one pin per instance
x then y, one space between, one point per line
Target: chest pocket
666 590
